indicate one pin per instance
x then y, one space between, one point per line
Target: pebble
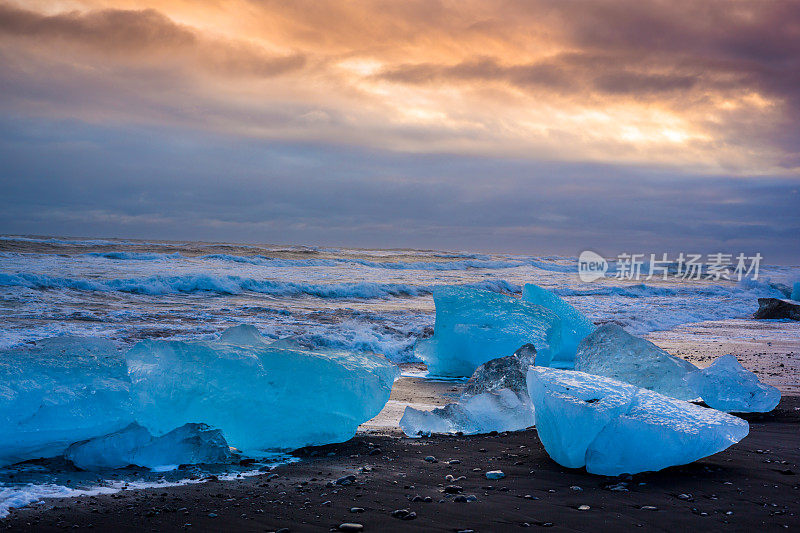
649 508
431 459
684 496
583 507
212 515
495 474
576 488
404 514
346 480
356 509
327 503
453 489
375 451
349 526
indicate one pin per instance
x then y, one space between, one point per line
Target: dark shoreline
757 480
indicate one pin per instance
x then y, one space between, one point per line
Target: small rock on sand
349 526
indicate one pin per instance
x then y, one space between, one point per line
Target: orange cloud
710 86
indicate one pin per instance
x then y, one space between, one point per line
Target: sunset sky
535 127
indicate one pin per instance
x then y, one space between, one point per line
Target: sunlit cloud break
711 85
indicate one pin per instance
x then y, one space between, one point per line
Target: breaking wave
226 285
643 291
391 265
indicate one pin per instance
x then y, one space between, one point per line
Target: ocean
352 299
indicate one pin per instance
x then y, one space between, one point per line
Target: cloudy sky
537 127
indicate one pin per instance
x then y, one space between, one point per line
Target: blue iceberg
474 326
262 398
255 396
574 326
615 428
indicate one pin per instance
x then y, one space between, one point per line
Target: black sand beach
754 485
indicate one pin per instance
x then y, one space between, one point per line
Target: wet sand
770 348
754 485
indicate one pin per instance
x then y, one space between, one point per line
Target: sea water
360 300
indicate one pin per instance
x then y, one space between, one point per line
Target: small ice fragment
495 474
612 352
243 335
495 399
726 386
134 445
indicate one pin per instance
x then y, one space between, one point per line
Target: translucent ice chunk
134 445
501 410
59 391
495 399
574 326
243 335
614 428
262 398
503 373
726 386
612 352
474 326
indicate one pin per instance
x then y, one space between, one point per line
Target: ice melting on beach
262 398
81 391
495 399
574 326
612 352
59 391
474 326
726 386
501 410
134 445
615 428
